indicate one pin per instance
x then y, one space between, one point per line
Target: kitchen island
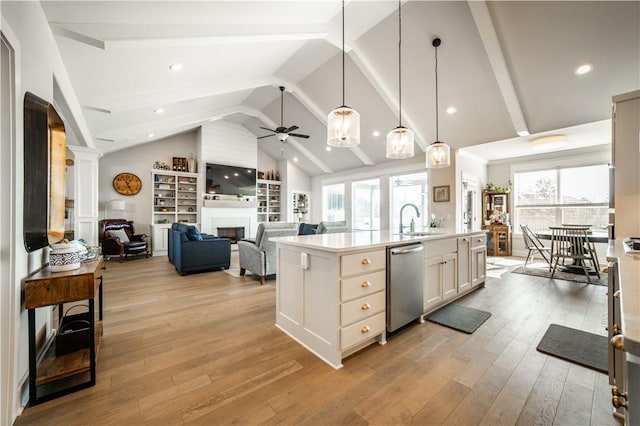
331 289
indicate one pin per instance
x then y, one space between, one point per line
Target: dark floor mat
459 317
587 349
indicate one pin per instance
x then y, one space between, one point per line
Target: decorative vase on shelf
191 164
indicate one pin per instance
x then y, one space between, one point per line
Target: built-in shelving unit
268 198
175 199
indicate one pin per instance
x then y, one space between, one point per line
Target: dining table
597 237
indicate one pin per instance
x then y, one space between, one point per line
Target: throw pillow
194 234
120 234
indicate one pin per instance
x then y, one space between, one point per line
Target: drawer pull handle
365 329
365 261
617 403
464 240
616 392
617 342
365 284
366 306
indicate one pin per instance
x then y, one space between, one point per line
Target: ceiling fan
281 132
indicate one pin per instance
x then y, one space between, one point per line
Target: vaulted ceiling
506 66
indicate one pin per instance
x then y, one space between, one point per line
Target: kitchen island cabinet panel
331 289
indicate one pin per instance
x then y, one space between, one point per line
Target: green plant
492 187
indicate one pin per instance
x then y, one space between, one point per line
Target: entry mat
459 317
587 349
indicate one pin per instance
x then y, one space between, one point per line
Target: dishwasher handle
404 250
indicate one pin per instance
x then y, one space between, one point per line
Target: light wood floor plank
203 349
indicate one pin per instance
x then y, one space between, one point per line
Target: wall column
85 193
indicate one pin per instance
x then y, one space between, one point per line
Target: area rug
459 317
543 271
577 346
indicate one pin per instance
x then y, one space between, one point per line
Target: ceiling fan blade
271 130
291 129
298 135
267 136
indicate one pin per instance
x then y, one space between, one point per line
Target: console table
55 376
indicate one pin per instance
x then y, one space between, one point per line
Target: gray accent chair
259 257
332 227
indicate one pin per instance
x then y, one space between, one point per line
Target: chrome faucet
401 210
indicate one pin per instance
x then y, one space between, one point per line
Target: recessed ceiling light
176 67
523 133
328 148
295 159
150 135
583 69
376 133
158 110
452 110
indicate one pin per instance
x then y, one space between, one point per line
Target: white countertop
368 239
629 266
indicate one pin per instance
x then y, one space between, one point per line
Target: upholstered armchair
332 227
259 257
192 251
118 237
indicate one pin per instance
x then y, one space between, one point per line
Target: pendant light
438 153
343 123
400 139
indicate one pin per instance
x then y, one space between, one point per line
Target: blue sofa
192 251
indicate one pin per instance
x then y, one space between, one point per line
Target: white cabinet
464 263
478 259
268 198
174 199
441 270
336 304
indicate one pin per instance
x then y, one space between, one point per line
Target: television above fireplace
230 180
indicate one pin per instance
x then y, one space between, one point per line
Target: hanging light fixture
400 139
343 123
438 153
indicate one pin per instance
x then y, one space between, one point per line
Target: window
333 202
410 188
578 195
366 204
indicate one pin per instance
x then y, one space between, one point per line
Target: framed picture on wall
440 193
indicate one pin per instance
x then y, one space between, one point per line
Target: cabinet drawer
440 247
362 308
359 263
478 240
361 331
362 285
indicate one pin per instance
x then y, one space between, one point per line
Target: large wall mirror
44 173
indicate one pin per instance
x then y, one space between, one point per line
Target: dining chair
533 244
588 229
572 243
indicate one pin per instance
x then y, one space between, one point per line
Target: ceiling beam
489 38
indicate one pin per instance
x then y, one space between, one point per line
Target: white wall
469 165
229 144
38 62
293 179
139 161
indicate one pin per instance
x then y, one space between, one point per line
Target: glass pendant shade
438 155
400 143
343 128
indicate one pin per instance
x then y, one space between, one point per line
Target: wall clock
127 184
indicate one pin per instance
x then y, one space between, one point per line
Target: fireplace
234 233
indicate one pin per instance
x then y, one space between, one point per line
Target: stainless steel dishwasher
405 284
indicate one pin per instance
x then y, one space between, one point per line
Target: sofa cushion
193 234
120 234
307 229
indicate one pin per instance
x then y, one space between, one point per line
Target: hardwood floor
203 349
